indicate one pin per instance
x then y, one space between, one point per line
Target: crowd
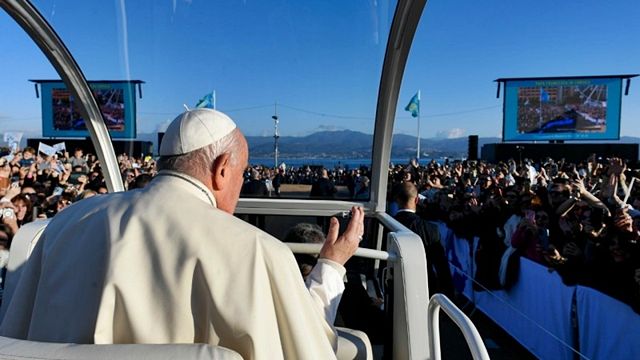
581 220
262 181
36 186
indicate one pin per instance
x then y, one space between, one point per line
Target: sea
329 163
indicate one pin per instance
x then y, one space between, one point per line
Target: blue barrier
536 311
607 328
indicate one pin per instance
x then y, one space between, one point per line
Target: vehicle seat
353 345
21 247
23 349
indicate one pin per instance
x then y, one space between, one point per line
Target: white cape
161 265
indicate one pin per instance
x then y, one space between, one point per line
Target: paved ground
499 344
297 191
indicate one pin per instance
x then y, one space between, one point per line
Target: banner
60 147
46 149
13 140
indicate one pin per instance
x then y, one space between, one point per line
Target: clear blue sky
321 60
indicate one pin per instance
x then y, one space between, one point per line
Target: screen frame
128 88
510 107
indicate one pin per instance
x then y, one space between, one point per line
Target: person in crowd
255 186
141 181
305 233
323 188
278 180
79 160
363 189
169 263
28 157
437 267
357 309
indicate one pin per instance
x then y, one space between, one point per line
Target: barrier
542 321
607 328
537 310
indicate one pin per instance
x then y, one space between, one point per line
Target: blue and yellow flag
207 101
414 105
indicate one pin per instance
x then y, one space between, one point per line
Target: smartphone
544 239
58 191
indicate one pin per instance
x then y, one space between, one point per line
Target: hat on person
195 129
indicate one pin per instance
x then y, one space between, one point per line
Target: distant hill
354 145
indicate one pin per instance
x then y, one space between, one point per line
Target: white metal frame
405 249
474 340
37 27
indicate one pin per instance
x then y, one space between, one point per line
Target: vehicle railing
313 249
406 257
298 207
474 340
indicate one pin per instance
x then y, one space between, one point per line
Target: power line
326 114
337 116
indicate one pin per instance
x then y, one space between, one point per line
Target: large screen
562 109
61 116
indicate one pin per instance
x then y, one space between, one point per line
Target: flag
11 137
60 147
414 105
13 140
208 101
46 149
544 95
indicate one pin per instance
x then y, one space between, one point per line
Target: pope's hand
341 248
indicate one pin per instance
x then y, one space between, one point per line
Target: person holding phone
531 237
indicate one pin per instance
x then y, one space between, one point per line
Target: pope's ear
221 172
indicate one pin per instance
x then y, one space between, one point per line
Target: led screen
61 116
562 109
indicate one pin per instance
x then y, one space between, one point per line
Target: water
328 163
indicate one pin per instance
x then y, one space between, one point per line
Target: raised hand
341 248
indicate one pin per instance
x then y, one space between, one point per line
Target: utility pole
276 136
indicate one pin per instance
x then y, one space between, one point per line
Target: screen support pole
626 88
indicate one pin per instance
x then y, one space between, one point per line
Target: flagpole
418 150
276 135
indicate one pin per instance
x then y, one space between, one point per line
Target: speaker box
473 147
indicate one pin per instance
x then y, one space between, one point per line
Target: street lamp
276 136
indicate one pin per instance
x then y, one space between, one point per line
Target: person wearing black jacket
323 188
439 275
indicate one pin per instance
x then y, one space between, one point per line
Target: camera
343 220
7 213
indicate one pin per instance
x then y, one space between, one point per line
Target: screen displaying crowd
67 117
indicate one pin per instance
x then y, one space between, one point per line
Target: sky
317 63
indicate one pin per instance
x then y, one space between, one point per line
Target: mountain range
349 144
354 144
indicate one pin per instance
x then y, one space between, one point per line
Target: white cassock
163 265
